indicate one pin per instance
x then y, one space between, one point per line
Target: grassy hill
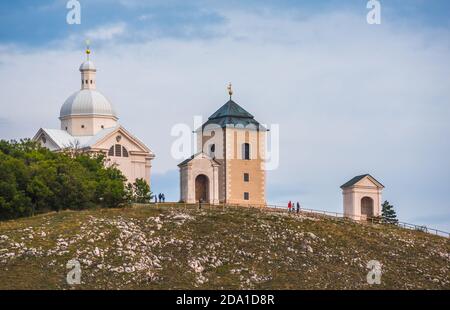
171 247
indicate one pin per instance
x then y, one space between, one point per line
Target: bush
142 193
35 180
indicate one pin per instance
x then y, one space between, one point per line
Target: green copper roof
232 114
231 109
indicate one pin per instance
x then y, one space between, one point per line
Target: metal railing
373 220
313 213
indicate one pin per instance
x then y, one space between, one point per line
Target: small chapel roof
232 113
358 178
231 109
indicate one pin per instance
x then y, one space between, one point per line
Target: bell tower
237 141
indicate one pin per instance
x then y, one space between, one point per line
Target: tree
35 180
141 189
111 189
388 213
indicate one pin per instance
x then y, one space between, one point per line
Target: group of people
160 198
292 207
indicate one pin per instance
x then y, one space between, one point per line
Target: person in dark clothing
163 197
159 197
298 207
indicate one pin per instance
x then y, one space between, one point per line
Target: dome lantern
87 111
88 71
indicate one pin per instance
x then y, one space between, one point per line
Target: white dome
87 102
87 65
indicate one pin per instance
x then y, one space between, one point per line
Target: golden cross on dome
88 49
230 90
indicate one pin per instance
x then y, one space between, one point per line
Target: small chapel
90 124
362 197
229 165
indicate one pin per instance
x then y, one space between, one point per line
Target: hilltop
172 247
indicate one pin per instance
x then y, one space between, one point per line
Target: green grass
171 247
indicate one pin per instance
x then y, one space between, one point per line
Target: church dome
87 102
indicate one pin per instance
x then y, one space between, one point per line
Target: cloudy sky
349 97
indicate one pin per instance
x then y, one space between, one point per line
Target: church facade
229 166
90 123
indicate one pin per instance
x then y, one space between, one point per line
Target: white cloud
350 98
106 32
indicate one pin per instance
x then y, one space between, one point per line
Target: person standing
298 207
163 197
289 206
159 197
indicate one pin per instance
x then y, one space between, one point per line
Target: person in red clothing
289 206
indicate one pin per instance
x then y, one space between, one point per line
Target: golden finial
88 49
230 90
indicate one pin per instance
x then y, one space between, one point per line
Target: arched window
246 151
118 150
111 151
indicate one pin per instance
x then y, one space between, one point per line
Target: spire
88 49
230 90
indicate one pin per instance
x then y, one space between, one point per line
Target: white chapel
90 124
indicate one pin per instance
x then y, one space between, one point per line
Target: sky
349 98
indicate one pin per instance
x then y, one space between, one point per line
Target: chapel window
246 151
118 150
246 177
246 196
